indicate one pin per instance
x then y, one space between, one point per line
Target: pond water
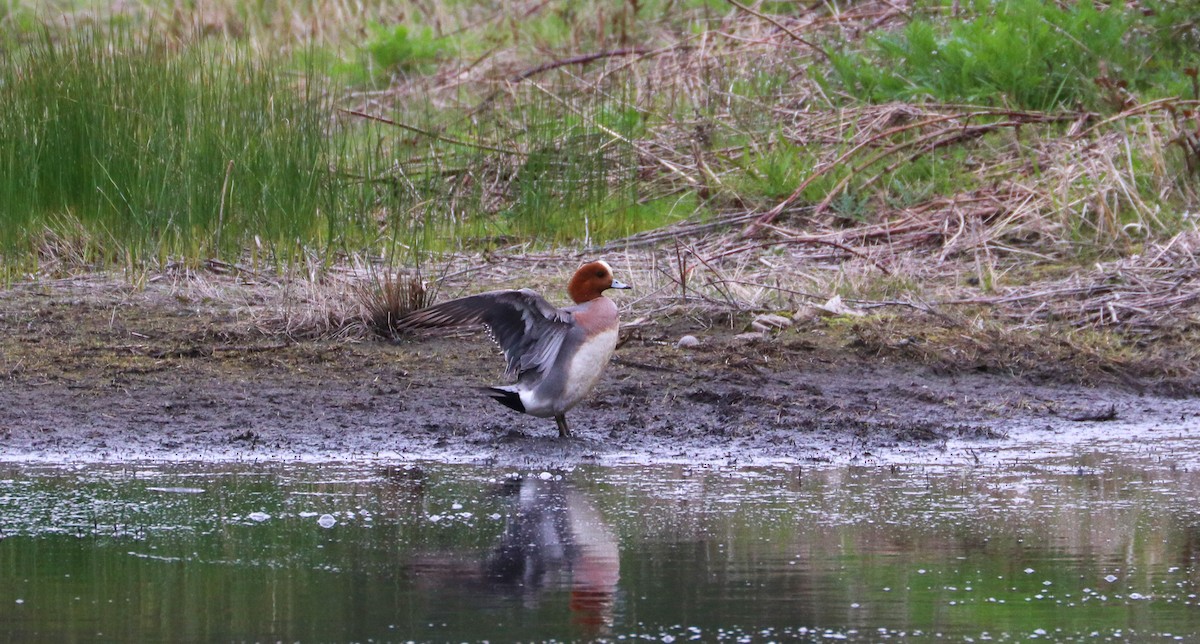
1086 545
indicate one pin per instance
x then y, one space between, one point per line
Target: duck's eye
601 273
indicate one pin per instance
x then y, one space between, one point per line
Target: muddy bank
124 375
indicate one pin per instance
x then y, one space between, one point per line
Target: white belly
586 368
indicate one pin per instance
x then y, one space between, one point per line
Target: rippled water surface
1083 546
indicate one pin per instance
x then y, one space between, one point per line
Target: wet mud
151 375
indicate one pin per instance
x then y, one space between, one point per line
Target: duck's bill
619 284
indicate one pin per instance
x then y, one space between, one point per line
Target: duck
556 354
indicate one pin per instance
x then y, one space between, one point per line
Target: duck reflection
555 538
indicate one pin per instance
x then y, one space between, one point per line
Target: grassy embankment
996 184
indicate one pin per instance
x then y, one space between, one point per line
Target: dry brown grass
387 297
1063 221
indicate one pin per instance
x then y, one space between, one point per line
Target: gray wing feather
528 329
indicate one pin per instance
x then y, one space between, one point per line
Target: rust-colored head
591 280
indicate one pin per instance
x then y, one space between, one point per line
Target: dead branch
576 60
432 135
791 34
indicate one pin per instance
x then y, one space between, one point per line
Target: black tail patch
510 399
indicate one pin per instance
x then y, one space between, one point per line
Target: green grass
139 149
223 136
1021 53
398 49
551 166
773 171
157 152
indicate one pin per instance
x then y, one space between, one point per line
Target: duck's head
591 280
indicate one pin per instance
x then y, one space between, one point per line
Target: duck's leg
563 430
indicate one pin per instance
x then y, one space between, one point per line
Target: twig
830 242
620 137
728 297
221 210
432 135
1015 118
681 266
220 267
651 237
577 60
1162 103
789 32
771 214
574 60
888 231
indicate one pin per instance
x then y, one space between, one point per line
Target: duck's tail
506 396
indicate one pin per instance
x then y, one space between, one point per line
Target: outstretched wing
528 329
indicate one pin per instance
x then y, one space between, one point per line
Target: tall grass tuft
159 150
389 296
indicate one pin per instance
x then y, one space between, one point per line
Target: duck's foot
563 430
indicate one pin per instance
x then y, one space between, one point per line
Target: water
1084 545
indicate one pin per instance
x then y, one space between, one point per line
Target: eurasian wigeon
556 354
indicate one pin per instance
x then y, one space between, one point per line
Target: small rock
687 342
749 336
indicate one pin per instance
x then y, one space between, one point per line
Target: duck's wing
528 329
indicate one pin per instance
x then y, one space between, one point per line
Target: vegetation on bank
894 154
